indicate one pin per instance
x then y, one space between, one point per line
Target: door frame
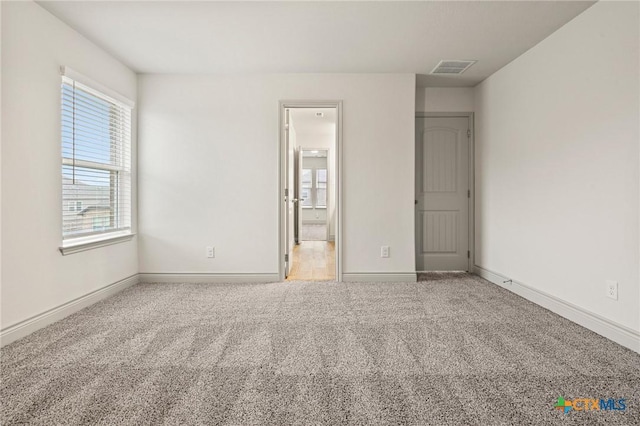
282 176
329 183
472 182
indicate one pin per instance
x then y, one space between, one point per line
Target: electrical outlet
384 251
211 252
612 289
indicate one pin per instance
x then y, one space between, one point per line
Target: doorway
312 189
310 207
443 193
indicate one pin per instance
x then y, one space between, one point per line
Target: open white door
297 192
289 200
442 194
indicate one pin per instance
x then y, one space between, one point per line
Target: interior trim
204 278
380 277
620 334
24 328
90 245
282 244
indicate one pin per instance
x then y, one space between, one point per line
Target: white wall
445 99
35 276
557 164
209 169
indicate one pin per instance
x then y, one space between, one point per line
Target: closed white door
442 194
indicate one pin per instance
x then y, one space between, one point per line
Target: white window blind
96 162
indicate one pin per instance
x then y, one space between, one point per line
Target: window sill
90 243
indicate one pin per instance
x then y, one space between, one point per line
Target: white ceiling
305 120
301 37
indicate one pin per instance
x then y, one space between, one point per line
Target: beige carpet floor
453 350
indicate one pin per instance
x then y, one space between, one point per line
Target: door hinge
468 133
286 192
286 257
286 126
468 193
468 254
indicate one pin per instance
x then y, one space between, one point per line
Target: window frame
124 171
313 189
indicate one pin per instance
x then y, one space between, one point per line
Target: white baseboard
381 277
620 334
149 277
28 326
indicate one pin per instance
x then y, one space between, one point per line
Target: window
313 188
73 206
100 223
96 163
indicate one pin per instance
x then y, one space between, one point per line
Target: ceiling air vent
452 67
